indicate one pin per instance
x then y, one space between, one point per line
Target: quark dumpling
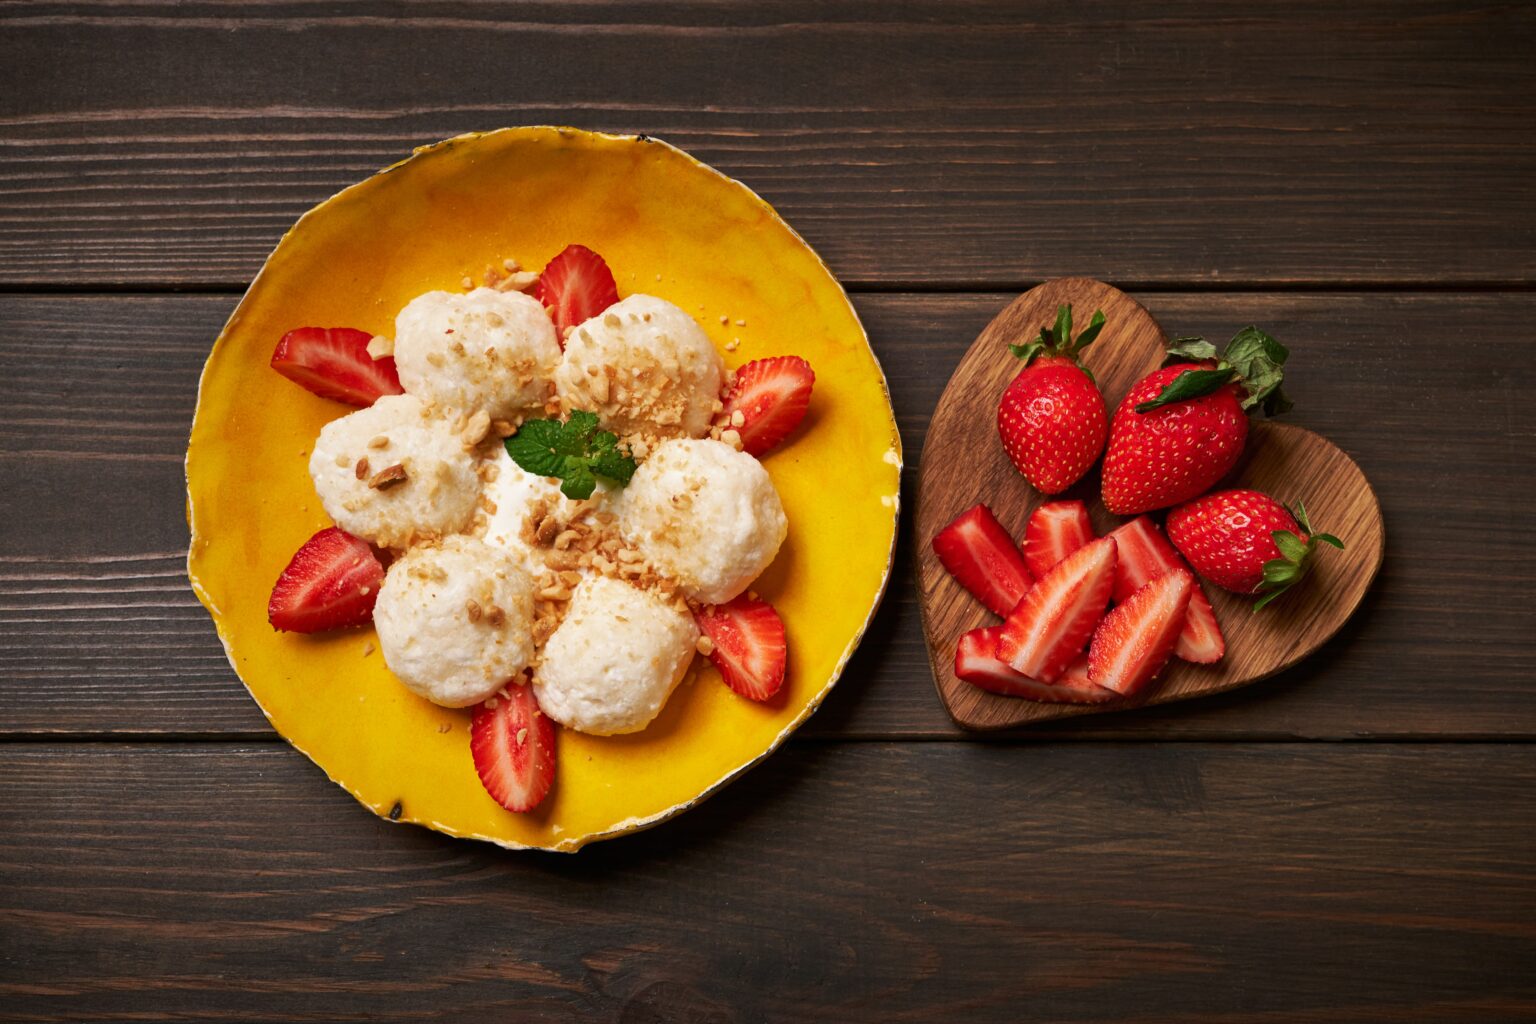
644 366
483 349
455 620
704 514
614 659
392 471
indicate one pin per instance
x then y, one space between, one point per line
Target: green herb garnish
575 452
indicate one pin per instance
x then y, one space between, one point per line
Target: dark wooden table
1350 841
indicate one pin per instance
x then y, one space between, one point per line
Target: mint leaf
614 465
1187 385
577 482
576 433
575 451
536 455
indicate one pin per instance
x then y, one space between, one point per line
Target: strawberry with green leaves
575 452
1246 541
1182 428
1052 418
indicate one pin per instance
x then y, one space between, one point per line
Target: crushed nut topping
705 646
473 610
362 468
388 477
475 430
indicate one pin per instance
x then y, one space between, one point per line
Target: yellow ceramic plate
669 226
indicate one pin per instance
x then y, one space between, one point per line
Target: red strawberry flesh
772 396
1229 535
1051 625
333 362
1174 453
1136 639
979 553
749 647
1052 423
331 582
512 743
575 286
1054 531
977 663
1145 554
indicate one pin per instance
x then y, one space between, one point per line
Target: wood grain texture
834 883
100 634
963 464
931 143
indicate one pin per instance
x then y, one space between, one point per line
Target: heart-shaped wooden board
963 463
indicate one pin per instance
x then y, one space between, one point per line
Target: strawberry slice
1049 628
1135 641
513 745
772 396
1146 554
331 582
333 362
979 553
1054 531
977 663
749 648
576 286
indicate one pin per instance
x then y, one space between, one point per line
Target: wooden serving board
963 462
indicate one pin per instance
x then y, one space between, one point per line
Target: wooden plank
925 143
99 633
868 882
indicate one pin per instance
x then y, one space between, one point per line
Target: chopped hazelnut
705 646
387 477
475 430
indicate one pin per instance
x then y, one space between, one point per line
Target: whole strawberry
1052 418
1246 541
1182 428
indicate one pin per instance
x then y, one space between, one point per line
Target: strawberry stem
1058 340
1254 359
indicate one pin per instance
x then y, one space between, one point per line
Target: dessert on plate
547 504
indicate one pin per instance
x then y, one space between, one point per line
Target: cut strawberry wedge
1136 639
979 553
1051 625
1146 554
1054 531
749 647
772 396
977 663
513 746
331 582
575 286
333 362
